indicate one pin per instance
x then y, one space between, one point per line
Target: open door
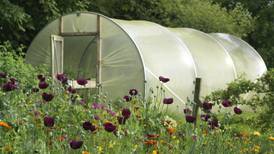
57 48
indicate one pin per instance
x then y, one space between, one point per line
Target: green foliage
258 95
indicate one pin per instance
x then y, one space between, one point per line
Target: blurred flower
85 152
9 86
213 123
133 92
150 142
190 118
112 113
100 149
171 130
126 113
96 117
71 90
127 98
152 136
207 106
155 152
256 133
82 81
62 78
205 117
61 138
4 124
168 100
83 102
121 120
109 127
271 138
169 122
41 77
37 113
43 84
163 79
3 75
97 106
76 144
187 111
194 137
256 148
47 97
226 103
237 110
89 126
48 121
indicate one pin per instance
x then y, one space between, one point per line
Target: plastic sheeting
135 53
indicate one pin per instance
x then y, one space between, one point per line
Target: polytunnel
118 55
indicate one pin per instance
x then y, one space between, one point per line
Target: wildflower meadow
44 114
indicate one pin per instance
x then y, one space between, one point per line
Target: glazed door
57 48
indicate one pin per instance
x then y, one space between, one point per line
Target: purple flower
96 117
9 86
109 127
163 79
207 106
97 106
3 75
121 120
126 113
226 103
76 144
205 117
168 100
133 92
62 78
190 118
41 77
47 97
48 121
127 98
43 84
82 81
82 102
71 90
187 111
237 110
213 123
89 126
111 112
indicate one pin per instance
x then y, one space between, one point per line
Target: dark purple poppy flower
168 100
226 103
121 120
133 92
89 126
76 144
9 86
13 80
47 97
83 102
43 84
109 127
62 78
41 77
126 113
48 121
187 111
163 79
190 118
237 110
205 117
37 113
213 123
127 98
3 75
71 90
82 81
207 106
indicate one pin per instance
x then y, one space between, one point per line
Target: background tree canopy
22 19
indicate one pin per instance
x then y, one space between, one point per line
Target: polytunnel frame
94 34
